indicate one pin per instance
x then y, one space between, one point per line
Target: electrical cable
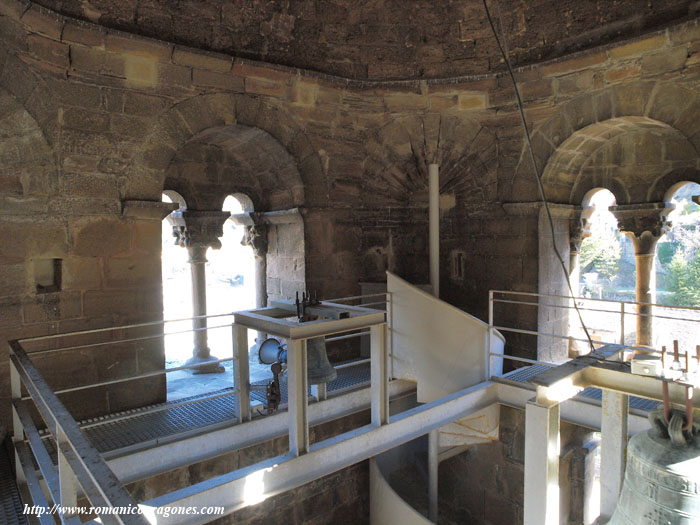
540 186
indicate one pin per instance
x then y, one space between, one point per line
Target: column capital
256 237
580 227
198 228
645 224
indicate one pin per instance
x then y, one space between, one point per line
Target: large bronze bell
318 367
662 478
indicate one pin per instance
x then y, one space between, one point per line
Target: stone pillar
256 237
578 231
197 231
644 224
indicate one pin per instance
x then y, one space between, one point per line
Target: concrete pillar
644 224
197 231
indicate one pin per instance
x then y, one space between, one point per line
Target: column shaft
199 300
645 294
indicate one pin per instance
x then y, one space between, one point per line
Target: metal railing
80 466
620 309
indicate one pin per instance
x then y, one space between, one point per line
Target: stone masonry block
202 60
81 273
101 237
96 60
48 50
40 20
638 47
576 63
37 238
132 271
227 81
260 86
127 44
78 32
664 61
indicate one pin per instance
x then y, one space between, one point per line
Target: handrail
78 459
536 294
619 310
79 463
567 307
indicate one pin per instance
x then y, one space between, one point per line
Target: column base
211 368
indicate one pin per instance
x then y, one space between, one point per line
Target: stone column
197 231
256 237
579 230
644 224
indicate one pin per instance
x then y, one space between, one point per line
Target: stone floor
184 383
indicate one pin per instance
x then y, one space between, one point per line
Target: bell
662 478
318 368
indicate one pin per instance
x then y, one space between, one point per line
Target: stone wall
498 496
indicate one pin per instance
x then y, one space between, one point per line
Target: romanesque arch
187 119
585 122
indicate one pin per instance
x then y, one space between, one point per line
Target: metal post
433 450
541 505
320 391
297 394
16 393
67 484
434 226
17 427
378 375
241 370
613 444
622 323
487 364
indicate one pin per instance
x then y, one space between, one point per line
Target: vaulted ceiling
382 39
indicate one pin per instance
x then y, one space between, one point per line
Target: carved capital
256 237
645 224
198 228
580 227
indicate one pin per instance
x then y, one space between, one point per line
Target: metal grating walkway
526 373
10 501
126 429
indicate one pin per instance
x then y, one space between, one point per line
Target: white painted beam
379 375
241 370
297 397
433 463
613 446
541 499
258 482
177 451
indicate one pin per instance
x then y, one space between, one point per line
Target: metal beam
379 375
96 473
541 497
613 446
297 397
433 463
258 482
168 454
239 337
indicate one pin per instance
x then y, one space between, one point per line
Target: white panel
385 505
435 344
